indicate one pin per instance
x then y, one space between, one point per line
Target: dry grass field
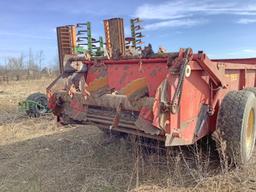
37 155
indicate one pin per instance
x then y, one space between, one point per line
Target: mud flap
144 121
202 118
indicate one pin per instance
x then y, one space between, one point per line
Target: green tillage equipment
35 105
80 50
90 41
28 105
89 37
133 33
82 36
100 49
136 35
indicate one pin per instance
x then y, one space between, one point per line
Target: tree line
31 66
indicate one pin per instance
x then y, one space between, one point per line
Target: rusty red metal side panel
195 94
202 91
119 74
238 61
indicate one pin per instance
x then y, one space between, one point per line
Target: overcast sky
223 29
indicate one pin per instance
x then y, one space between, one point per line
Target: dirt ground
37 155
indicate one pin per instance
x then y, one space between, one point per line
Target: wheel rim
42 107
250 133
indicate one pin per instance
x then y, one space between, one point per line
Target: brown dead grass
37 155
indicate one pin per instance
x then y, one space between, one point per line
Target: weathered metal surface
99 85
66 36
147 127
114 34
146 87
107 100
238 61
162 99
136 89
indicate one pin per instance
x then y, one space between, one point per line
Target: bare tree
15 63
32 65
54 67
29 67
15 66
40 59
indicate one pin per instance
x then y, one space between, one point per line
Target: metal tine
81 32
81 38
139 35
82 44
81 24
138 41
137 20
138 27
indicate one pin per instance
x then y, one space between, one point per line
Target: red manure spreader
178 97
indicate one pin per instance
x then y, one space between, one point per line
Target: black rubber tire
36 111
251 89
232 124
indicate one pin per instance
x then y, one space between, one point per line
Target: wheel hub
250 133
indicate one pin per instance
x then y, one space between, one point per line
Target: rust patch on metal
136 89
75 109
153 73
123 78
185 124
117 117
72 90
100 68
126 67
98 84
